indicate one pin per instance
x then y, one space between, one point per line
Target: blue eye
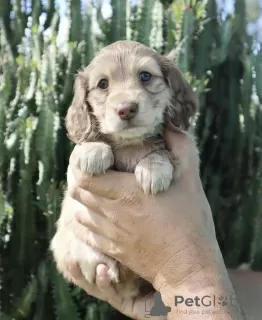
145 76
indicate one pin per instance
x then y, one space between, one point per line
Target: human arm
169 239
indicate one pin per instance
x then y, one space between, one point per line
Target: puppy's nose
127 110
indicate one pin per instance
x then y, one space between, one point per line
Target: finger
81 195
89 200
135 308
113 297
111 185
103 281
101 243
110 292
98 224
132 307
90 289
78 279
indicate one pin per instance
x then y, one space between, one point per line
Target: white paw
95 158
154 176
88 259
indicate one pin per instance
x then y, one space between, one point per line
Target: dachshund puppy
121 102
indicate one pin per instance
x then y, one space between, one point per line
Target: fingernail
101 271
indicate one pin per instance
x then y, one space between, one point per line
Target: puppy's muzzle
127 110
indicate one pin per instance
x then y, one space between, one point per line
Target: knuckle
83 182
132 200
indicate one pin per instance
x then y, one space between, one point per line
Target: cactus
36 86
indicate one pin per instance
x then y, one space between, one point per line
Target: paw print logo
222 301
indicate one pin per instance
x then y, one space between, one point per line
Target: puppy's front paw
154 173
94 158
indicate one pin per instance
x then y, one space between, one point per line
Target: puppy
121 102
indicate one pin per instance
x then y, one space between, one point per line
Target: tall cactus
36 84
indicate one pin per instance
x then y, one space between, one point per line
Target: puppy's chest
127 157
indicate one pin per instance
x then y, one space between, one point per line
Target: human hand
122 218
167 239
104 289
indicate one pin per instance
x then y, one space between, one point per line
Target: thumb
181 144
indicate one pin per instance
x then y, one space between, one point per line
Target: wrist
209 301
197 289
189 263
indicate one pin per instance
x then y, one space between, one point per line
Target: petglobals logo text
191 305
203 305
205 301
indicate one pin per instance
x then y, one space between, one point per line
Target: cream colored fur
105 141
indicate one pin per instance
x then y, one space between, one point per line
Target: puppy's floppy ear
78 119
183 104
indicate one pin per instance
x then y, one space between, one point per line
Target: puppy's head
127 91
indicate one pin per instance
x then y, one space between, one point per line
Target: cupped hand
103 289
162 238
168 239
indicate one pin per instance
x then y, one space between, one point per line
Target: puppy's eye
145 76
103 84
